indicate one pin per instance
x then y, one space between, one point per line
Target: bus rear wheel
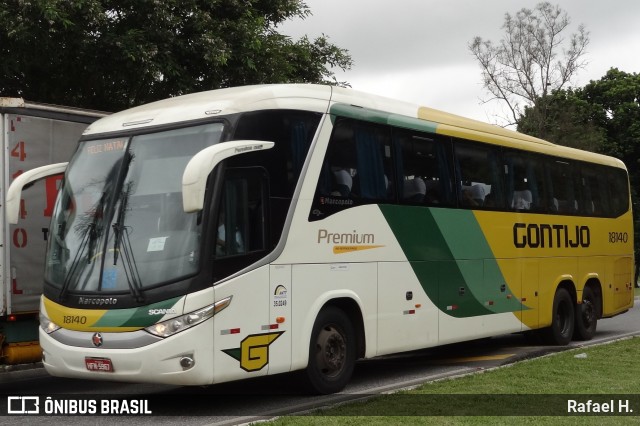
331 352
562 325
586 316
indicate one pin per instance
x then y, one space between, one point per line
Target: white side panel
313 285
407 319
34 142
280 320
241 346
358 234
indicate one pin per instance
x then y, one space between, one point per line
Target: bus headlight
184 322
47 325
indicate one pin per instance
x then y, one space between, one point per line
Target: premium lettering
327 237
535 235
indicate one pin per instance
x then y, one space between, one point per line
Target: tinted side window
357 168
594 191
241 220
524 182
424 166
619 190
479 176
292 132
561 186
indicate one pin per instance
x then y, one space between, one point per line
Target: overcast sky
417 50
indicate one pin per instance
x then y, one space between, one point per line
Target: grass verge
536 392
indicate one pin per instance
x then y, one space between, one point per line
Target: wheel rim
331 351
588 313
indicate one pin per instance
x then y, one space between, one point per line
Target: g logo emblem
253 352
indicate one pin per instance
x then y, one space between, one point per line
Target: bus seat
522 200
478 194
343 182
414 190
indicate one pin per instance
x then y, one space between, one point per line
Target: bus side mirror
194 178
30 176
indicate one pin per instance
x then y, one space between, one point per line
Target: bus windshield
118 224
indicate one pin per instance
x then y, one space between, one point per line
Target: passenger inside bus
473 195
414 189
342 182
226 246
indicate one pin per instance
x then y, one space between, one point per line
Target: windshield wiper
117 226
88 241
121 241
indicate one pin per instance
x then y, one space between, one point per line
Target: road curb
20 367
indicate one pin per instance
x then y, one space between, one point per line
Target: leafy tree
114 54
532 60
616 99
603 116
565 118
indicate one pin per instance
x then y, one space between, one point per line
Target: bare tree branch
532 60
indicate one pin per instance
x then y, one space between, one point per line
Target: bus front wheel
562 325
586 316
332 352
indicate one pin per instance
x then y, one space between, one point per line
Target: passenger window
241 223
357 168
425 172
479 176
594 190
561 183
523 182
292 132
619 190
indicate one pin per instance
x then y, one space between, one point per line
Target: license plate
99 364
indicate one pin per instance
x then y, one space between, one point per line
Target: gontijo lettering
535 235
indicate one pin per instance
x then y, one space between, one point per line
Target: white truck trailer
32 135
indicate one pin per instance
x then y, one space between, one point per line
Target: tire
332 352
586 314
561 331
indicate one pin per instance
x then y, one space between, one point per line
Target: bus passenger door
279 325
244 338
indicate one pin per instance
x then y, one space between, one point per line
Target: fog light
186 362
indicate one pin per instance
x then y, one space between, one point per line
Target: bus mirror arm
194 178
14 193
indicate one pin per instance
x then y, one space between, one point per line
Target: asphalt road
252 400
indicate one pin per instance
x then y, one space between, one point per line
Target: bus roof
323 98
202 105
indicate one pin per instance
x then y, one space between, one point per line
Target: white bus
260 230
